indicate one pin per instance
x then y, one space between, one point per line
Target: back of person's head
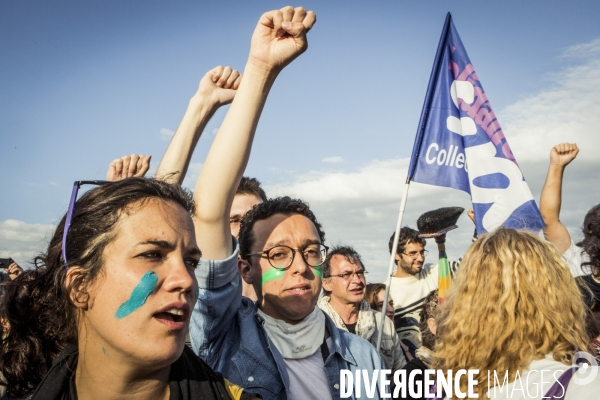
251 186
513 301
591 240
371 292
429 310
42 315
405 236
266 209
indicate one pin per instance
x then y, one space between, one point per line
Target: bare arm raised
216 88
279 37
550 201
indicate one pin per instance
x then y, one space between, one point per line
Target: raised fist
562 154
280 37
219 85
127 167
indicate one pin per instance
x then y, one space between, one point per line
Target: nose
179 278
420 257
299 266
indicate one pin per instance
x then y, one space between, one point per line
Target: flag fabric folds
460 144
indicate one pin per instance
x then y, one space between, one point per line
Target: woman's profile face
140 304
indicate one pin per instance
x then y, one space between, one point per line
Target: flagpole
413 163
392 262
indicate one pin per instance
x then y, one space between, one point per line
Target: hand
13 271
128 167
440 238
471 214
562 154
280 37
219 84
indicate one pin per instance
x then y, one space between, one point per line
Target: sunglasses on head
69 217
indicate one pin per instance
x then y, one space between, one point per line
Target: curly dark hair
40 312
262 211
591 240
407 236
251 186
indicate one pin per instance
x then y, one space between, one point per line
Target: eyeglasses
281 257
76 187
414 254
347 276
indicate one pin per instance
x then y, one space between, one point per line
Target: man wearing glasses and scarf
344 283
282 346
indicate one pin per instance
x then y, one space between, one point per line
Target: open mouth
175 318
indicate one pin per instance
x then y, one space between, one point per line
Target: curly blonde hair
514 301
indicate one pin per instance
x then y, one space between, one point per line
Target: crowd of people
138 266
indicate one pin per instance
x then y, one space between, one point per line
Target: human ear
245 270
432 325
77 287
326 284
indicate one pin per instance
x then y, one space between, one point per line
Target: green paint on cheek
139 295
103 350
272 274
318 272
275 273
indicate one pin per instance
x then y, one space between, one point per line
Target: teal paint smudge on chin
139 295
103 350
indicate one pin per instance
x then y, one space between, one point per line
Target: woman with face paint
106 313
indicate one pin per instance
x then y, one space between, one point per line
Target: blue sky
83 83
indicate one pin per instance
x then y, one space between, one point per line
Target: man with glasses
281 346
411 284
344 283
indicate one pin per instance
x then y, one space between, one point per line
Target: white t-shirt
574 256
409 295
308 379
530 386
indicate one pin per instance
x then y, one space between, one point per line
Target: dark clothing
352 327
190 378
586 284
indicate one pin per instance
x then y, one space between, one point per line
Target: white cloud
333 160
584 50
360 208
166 134
22 241
567 111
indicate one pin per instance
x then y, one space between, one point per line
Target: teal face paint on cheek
103 350
272 274
139 295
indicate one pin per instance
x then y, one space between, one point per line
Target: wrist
260 72
200 105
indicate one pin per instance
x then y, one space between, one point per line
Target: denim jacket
228 334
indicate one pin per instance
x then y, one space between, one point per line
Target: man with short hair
411 284
281 346
344 283
248 194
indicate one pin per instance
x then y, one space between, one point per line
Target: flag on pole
460 144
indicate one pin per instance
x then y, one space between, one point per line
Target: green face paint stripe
318 272
272 275
139 295
103 350
275 273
